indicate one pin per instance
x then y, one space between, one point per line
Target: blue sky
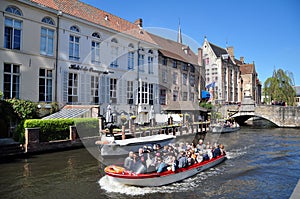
266 32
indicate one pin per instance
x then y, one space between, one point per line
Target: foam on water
112 186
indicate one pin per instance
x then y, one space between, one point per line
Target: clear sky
266 32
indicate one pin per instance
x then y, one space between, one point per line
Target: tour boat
110 148
121 175
224 129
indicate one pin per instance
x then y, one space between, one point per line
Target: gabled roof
175 50
247 69
218 50
92 14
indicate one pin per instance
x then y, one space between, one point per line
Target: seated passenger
182 160
128 162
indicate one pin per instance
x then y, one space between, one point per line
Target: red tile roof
92 14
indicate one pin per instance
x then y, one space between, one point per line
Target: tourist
182 160
128 162
201 146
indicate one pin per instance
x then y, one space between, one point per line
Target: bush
87 127
51 129
58 129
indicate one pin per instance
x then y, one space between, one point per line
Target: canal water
262 163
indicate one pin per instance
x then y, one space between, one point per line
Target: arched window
150 51
74 28
14 10
96 35
48 20
114 40
130 45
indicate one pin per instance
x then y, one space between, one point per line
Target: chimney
200 61
139 22
230 51
242 60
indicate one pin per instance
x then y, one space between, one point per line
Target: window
150 65
192 80
206 61
175 78
74 28
184 78
114 53
164 61
165 76
144 93
12 33
184 96
129 92
95 57
130 60
192 97
74 48
174 64
162 97
73 88
45 85
48 20
95 89
11 81
151 94
47 41
113 90
96 35
141 62
192 68
14 10
184 66
175 95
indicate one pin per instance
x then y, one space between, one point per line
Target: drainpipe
59 13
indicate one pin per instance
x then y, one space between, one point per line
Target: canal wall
33 144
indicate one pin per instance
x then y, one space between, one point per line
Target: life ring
114 169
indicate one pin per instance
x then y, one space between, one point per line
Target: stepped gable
175 50
92 14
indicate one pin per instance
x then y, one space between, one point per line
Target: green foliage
51 129
279 87
87 127
206 105
23 108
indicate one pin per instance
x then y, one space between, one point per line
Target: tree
279 87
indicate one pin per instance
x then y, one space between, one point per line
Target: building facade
250 83
222 73
72 53
179 77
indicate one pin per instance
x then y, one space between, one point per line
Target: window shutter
65 86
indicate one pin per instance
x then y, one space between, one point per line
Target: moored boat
224 129
152 179
123 147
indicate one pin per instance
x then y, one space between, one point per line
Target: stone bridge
281 116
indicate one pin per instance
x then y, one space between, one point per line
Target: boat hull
164 178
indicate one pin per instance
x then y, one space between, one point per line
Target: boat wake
112 186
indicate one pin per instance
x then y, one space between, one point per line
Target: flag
210 85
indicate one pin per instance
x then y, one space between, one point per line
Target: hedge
59 129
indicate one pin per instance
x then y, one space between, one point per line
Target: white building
222 73
72 53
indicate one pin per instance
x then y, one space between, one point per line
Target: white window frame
47 41
73 91
14 81
47 79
